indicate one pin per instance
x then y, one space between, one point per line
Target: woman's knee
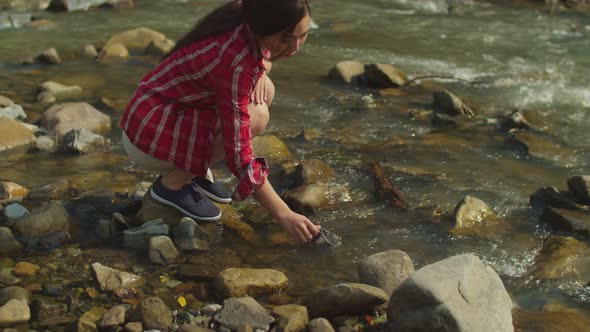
270 88
259 118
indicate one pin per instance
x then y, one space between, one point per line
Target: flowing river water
503 59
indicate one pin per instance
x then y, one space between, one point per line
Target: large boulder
238 282
386 270
13 134
50 219
344 299
60 119
456 294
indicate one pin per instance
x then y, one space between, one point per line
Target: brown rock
26 269
11 190
13 134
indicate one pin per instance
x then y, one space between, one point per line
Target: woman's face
286 44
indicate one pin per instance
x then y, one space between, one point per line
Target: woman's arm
297 225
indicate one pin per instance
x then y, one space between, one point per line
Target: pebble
26 269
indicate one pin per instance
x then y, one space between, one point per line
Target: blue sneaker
187 200
214 190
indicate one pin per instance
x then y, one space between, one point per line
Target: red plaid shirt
174 111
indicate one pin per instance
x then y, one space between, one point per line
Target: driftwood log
386 189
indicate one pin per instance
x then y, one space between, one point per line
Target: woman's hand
299 226
260 94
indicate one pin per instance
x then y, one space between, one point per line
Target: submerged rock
188 235
552 197
5 101
155 314
110 279
516 120
14 20
567 220
320 325
7 241
133 40
49 56
73 5
344 299
562 257
313 170
113 51
162 250
550 321
60 119
160 48
13 134
456 294
243 312
59 91
113 319
14 293
88 321
472 212
309 198
238 282
272 148
541 147
45 308
386 270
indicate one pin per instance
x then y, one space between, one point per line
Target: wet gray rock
155 314
5 101
14 312
580 187
61 118
15 112
160 48
551 197
45 308
113 318
350 72
45 143
13 134
139 237
82 140
53 191
459 293
238 282
110 279
344 299
291 317
447 103
162 250
188 236
542 146
320 325
567 220
43 221
88 51
313 170
382 76
14 293
14 20
243 311
386 270
471 212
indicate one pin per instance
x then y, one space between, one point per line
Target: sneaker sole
213 197
165 202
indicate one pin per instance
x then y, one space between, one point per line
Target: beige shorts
143 160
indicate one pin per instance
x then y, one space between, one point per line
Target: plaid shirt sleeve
233 88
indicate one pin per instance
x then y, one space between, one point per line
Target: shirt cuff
252 179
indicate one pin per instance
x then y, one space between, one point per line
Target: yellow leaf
182 301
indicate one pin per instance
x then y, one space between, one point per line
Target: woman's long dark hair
265 18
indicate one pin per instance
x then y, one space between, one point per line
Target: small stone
49 56
320 325
26 269
243 311
348 72
45 308
11 190
291 317
352 299
155 314
386 270
237 282
14 312
113 318
471 212
138 237
46 220
103 229
160 48
7 241
162 250
189 236
140 190
13 134
14 112
82 140
88 51
14 293
53 290
88 321
5 101
447 103
382 76
15 211
111 279
45 143
580 187
133 327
